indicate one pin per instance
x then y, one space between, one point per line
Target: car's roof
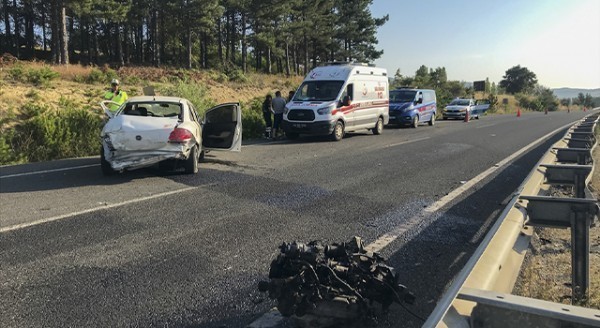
156 99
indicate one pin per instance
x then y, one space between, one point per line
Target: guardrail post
580 255
574 175
578 214
581 156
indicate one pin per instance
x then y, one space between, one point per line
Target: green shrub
42 134
110 74
42 76
218 76
32 109
253 124
133 80
66 102
95 76
192 91
237 75
17 73
33 94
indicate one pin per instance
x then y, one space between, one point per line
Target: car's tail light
180 135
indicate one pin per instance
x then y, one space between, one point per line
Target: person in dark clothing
278 109
290 95
267 109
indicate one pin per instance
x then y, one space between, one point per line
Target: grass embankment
52 112
547 272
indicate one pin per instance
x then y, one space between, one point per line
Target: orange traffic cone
518 112
467 116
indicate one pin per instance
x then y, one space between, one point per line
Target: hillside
562 93
84 86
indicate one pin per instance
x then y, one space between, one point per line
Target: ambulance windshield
318 91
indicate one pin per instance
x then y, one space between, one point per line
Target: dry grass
546 274
13 95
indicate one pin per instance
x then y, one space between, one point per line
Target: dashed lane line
47 171
91 210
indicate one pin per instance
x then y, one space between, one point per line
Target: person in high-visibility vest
115 94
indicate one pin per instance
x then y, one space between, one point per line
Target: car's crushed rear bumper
134 159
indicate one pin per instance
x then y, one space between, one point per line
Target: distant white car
150 129
458 108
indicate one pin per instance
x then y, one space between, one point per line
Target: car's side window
192 112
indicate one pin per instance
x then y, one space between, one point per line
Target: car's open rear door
222 128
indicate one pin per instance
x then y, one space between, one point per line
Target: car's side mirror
346 101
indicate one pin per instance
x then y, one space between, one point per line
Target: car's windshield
318 91
153 109
397 96
460 102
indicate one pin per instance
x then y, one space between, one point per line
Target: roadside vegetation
45 106
52 112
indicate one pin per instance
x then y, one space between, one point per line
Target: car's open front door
222 128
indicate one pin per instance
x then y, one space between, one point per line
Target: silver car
149 129
458 108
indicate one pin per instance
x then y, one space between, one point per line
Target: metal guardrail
481 293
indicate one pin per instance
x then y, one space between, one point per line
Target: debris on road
327 284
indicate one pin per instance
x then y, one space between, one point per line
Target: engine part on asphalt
336 280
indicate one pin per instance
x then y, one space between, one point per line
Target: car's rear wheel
415 122
191 163
432 120
338 131
104 164
378 129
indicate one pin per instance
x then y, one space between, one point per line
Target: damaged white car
167 130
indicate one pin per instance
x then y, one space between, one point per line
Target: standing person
290 96
267 109
115 94
278 108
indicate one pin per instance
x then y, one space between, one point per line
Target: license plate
299 125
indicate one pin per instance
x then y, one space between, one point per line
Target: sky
558 40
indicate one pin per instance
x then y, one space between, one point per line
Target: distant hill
572 93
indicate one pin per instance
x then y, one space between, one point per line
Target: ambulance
338 98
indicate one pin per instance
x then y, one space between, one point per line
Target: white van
339 98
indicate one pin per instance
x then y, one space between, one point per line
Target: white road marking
103 207
389 237
48 171
484 126
404 142
274 319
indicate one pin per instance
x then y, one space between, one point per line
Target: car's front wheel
378 129
338 131
191 163
432 120
415 122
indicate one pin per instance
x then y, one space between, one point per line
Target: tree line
271 36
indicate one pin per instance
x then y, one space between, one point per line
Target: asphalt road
147 248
